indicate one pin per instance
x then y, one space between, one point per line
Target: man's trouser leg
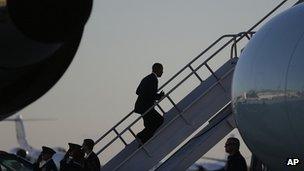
152 121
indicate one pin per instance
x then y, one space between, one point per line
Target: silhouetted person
21 153
45 161
66 162
77 163
73 160
147 95
236 161
91 161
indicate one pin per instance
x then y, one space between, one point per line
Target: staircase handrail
235 37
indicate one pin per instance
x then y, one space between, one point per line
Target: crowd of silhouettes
77 158
82 157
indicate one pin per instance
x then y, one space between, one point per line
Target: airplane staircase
208 105
184 118
180 122
218 127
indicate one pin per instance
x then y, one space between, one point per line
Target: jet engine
38 41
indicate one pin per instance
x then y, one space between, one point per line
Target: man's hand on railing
161 94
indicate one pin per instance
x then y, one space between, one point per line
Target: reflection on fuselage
268 90
269 96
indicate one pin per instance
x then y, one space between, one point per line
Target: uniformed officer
91 160
66 161
45 161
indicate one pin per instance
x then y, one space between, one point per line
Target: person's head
75 151
72 147
232 145
21 153
77 154
88 145
157 68
47 153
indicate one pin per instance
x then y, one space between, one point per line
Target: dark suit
236 162
49 166
71 166
92 163
64 163
147 95
75 166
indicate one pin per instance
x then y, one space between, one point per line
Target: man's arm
148 89
53 166
160 95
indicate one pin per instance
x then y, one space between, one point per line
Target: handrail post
178 110
120 137
160 108
107 145
195 73
235 48
216 77
211 71
131 131
174 105
107 133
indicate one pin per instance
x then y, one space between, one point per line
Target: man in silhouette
91 161
73 160
67 157
45 161
21 153
77 163
147 95
69 162
236 161
22 156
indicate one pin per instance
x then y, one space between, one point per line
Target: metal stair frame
234 39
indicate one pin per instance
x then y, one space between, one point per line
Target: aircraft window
10 162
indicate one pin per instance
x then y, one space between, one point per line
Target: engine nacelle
38 41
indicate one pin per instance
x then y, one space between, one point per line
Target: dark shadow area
36 48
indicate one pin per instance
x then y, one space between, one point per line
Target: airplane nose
49 20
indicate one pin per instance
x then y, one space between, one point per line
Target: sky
121 41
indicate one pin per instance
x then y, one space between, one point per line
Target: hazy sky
121 41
